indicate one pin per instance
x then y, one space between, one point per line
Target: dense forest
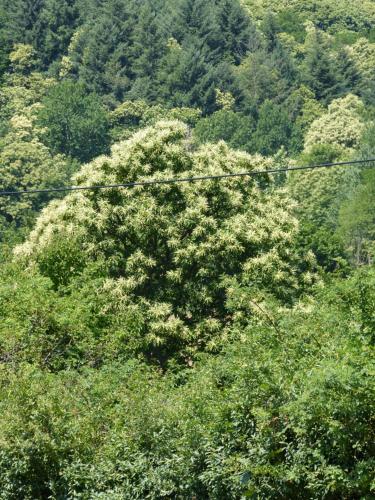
201 340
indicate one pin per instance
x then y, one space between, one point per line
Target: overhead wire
176 180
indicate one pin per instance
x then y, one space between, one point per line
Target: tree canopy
171 265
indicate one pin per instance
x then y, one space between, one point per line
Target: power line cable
184 179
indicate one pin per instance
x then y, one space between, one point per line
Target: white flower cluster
342 125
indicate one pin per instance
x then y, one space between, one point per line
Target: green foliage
318 70
303 110
131 116
273 130
22 88
284 411
76 123
363 55
233 128
319 195
126 52
334 17
27 164
348 74
5 45
342 126
47 26
331 213
23 58
357 221
39 331
290 21
263 76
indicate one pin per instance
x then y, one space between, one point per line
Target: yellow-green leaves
26 163
22 58
341 126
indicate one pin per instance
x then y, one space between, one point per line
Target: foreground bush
286 412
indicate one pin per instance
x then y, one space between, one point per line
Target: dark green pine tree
22 18
47 25
211 36
197 21
279 56
150 45
239 33
17 24
281 59
185 77
270 28
318 69
5 39
56 23
104 56
348 77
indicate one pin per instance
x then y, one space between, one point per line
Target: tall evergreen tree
270 29
56 24
47 25
5 40
186 77
150 44
318 70
348 76
273 130
103 56
210 37
239 33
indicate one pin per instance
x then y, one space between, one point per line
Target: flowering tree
25 162
342 126
172 254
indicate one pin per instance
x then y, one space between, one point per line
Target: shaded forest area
208 340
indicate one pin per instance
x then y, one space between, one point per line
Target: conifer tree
150 44
270 30
47 25
57 22
318 69
103 54
5 40
348 75
239 33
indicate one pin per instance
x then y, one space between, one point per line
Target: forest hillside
209 339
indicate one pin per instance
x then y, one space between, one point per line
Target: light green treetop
23 58
334 136
363 55
22 87
334 15
342 125
25 163
130 116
